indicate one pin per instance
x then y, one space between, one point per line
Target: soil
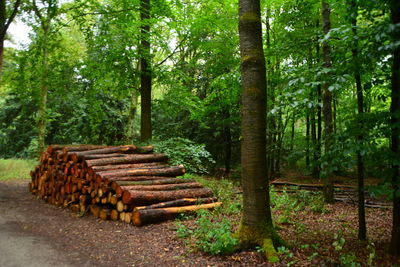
34 233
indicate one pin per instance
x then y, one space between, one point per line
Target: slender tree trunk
145 76
292 132
394 248
227 141
42 116
362 229
308 139
327 101
130 131
256 226
4 24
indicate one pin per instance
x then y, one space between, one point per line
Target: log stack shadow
126 183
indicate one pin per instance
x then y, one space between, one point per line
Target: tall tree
45 14
256 228
5 21
395 124
145 67
327 100
362 229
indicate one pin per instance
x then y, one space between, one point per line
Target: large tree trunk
256 226
362 229
145 76
327 102
394 248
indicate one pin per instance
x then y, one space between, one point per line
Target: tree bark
256 226
127 166
394 247
139 198
362 229
327 102
145 76
163 187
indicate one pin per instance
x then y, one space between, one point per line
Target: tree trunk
327 102
292 132
145 76
394 248
362 229
256 226
130 126
140 198
308 139
227 141
145 216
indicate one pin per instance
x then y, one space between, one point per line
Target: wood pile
126 183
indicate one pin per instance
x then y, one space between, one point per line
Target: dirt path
33 233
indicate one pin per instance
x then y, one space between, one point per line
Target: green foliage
210 236
194 157
16 168
297 201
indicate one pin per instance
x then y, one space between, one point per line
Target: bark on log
145 180
145 216
163 187
140 198
165 172
180 203
100 156
127 166
128 159
75 156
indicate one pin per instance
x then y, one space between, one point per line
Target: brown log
127 166
128 217
95 210
165 172
75 156
163 187
100 156
69 148
145 149
128 159
105 214
145 216
114 215
146 180
140 198
179 203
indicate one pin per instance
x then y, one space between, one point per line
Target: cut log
105 214
140 198
127 166
163 187
95 210
75 156
100 156
114 215
128 159
166 172
179 203
145 149
146 180
145 216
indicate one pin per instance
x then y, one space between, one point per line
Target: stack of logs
125 183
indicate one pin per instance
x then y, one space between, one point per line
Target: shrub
194 157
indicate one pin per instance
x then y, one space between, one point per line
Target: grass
16 168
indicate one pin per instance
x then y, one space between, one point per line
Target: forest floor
34 233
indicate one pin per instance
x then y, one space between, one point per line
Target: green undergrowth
212 231
16 168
